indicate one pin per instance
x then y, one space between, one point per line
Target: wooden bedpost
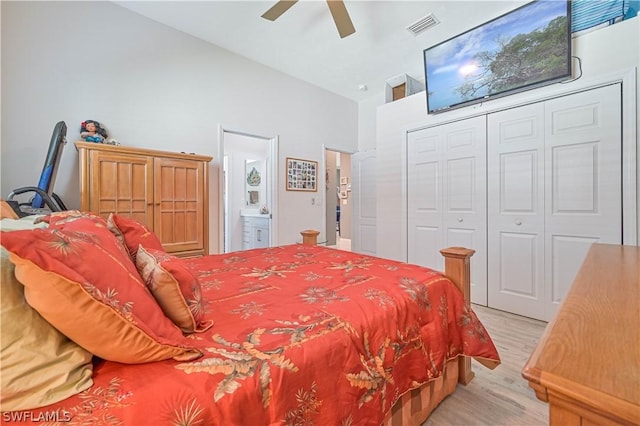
310 237
457 268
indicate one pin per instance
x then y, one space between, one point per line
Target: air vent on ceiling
423 24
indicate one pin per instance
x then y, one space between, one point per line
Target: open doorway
248 181
338 199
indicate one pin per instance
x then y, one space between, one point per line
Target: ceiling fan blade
341 18
278 9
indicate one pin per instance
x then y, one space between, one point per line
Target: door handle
518 222
460 219
259 236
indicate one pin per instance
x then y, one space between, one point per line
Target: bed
297 334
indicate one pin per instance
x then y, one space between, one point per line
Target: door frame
323 168
272 185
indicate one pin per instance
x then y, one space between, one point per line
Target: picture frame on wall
302 175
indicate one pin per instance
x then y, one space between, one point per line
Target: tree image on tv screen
522 60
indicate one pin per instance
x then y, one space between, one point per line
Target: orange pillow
132 234
38 364
80 278
176 289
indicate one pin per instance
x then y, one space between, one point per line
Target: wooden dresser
587 363
166 191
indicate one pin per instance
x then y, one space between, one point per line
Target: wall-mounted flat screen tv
520 50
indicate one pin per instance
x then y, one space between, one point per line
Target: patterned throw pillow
38 364
176 289
132 234
80 279
64 216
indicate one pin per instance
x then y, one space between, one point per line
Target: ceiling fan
337 8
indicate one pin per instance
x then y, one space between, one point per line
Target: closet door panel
516 210
424 198
464 198
554 186
519 274
583 181
568 255
446 189
428 243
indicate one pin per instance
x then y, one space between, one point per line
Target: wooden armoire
167 191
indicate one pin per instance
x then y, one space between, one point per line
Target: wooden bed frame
413 407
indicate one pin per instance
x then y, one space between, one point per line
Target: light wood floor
500 396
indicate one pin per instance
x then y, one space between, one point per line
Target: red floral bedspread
302 335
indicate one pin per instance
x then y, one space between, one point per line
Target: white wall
151 86
608 51
367 111
390 169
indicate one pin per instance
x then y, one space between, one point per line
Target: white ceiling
304 42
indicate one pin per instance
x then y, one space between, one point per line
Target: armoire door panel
178 204
121 184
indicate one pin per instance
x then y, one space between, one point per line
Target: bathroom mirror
253 171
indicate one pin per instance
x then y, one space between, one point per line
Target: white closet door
424 198
516 210
555 187
446 195
584 187
363 191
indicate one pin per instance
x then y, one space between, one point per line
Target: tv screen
525 48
